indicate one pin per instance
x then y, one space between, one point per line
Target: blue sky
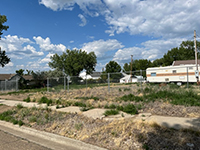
113 29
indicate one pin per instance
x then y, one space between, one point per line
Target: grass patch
87 98
131 97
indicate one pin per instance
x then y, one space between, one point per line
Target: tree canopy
185 51
141 64
3 19
3 57
72 62
112 66
20 72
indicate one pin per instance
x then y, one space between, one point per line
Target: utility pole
131 68
196 60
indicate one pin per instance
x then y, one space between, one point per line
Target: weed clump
111 112
27 100
45 100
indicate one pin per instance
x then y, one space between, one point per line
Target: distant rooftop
184 62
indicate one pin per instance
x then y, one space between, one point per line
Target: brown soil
4 108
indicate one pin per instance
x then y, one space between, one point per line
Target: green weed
111 112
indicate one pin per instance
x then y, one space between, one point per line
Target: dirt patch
19 97
5 108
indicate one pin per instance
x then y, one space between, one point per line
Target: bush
20 123
111 112
45 100
130 109
80 104
27 100
131 97
19 106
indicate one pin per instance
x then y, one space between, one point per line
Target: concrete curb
46 139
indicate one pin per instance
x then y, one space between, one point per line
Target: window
153 74
166 79
173 71
190 68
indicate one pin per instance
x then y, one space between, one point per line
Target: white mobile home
180 73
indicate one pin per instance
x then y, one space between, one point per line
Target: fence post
64 82
109 82
68 78
141 80
187 77
86 81
47 84
5 84
16 85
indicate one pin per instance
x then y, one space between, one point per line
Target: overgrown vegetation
176 97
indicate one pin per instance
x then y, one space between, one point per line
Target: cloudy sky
113 29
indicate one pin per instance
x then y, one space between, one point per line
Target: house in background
131 79
14 81
94 75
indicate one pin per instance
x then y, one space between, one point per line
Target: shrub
111 112
20 123
131 97
130 109
27 100
45 100
80 104
19 106
32 119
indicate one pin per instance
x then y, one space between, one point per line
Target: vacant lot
124 133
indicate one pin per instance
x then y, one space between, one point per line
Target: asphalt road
11 142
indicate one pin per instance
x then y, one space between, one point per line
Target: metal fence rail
106 80
9 85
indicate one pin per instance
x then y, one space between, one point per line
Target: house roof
6 76
185 62
28 77
96 74
10 76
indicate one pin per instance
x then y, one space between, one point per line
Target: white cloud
100 47
58 4
31 51
45 45
71 42
152 50
15 47
84 21
153 17
46 59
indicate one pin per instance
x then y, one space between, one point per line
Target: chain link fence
106 80
9 85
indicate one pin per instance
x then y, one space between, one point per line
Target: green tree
20 72
3 19
137 65
3 57
185 51
114 69
39 78
54 73
72 62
